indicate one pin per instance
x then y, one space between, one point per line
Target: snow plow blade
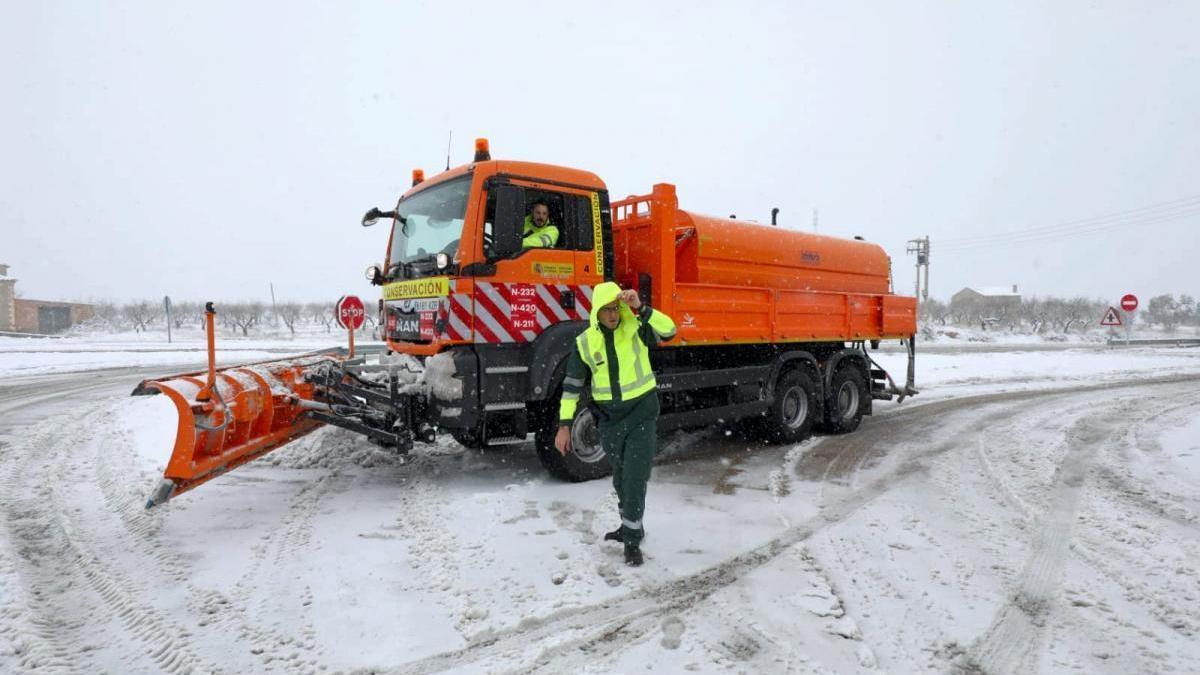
248 411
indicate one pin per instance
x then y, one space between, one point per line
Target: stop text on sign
350 312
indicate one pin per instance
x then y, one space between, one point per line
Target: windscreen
432 222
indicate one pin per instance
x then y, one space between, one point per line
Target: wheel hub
585 439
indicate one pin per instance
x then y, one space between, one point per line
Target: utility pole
816 221
921 248
274 308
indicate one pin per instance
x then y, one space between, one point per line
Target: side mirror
510 220
375 214
375 275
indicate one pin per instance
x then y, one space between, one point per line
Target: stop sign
1129 302
350 312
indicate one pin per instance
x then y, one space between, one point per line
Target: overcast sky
206 150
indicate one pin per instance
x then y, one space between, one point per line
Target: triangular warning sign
1111 318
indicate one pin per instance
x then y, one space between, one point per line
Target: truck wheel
847 400
585 460
468 438
791 415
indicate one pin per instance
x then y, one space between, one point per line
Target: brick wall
27 313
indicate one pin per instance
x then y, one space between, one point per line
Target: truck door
544 285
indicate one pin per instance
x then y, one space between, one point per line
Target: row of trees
1036 315
1039 315
142 315
1170 312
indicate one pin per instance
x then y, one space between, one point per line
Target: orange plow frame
253 410
234 415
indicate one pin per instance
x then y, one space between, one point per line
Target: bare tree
187 313
967 311
290 313
107 315
1032 313
224 318
934 311
141 314
1075 311
245 315
321 313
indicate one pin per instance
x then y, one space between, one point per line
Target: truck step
506 440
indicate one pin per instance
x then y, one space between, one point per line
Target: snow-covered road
1029 512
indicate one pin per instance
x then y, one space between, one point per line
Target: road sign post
350 314
1129 303
167 308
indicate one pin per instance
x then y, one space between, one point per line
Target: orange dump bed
726 281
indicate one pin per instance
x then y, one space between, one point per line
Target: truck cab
457 281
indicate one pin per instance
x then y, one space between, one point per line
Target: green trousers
630 438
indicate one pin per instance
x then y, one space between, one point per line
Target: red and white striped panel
455 317
514 312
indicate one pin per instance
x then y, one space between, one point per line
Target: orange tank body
734 253
726 281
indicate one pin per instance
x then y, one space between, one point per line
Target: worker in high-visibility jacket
539 231
613 353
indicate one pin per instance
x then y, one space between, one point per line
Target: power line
1183 202
1067 235
1176 208
1097 227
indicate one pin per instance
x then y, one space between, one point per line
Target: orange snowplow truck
773 326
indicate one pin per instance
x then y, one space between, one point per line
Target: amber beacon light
482 154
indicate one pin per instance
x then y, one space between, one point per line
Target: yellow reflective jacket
539 237
596 347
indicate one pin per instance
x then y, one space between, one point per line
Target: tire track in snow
840 464
121 599
1181 506
1166 552
56 554
123 488
1011 644
595 629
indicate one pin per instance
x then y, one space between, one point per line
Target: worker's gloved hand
562 440
630 297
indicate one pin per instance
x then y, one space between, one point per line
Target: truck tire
847 400
470 439
791 415
585 460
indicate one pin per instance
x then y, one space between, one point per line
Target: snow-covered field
1029 511
29 356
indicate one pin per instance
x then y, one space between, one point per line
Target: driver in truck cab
539 231
613 353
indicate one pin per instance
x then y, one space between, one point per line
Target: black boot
633 555
615 535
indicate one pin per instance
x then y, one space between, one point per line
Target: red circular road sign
350 312
1129 302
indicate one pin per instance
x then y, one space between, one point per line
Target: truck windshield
433 222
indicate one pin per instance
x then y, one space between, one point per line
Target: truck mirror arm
370 217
